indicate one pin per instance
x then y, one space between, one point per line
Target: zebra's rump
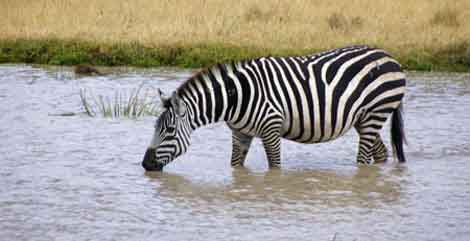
327 94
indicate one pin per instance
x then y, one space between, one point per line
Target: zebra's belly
313 139
314 132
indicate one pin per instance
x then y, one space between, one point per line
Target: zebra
306 99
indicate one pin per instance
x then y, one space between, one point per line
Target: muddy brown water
73 177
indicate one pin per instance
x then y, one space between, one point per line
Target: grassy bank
68 52
422 34
454 57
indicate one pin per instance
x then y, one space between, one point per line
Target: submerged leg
379 151
240 146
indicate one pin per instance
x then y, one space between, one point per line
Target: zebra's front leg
240 146
272 147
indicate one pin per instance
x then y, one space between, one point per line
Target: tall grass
132 105
400 25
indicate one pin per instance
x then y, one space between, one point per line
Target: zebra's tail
398 134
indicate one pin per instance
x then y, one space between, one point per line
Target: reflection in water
79 178
365 187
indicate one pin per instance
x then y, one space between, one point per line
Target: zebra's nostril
152 166
149 163
149 156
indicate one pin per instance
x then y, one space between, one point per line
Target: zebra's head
171 136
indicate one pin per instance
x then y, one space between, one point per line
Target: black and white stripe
306 99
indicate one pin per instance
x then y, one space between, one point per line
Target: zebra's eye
170 129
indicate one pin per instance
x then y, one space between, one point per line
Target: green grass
118 105
68 52
453 57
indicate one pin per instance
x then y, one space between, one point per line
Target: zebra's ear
177 104
164 100
161 95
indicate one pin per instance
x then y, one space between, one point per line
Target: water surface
79 178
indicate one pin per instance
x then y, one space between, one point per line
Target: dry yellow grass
398 25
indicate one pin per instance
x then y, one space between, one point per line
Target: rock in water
85 69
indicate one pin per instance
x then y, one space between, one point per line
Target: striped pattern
307 99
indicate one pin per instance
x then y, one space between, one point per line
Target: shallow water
79 178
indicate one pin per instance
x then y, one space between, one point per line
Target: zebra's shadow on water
367 186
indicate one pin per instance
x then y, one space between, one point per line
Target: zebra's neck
209 95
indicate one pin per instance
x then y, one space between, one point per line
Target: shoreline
451 58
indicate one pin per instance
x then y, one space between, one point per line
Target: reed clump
338 21
446 17
132 105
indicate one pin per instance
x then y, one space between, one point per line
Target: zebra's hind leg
240 146
379 151
370 143
366 142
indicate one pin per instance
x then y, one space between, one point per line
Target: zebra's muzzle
149 163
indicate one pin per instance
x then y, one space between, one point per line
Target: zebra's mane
222 67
